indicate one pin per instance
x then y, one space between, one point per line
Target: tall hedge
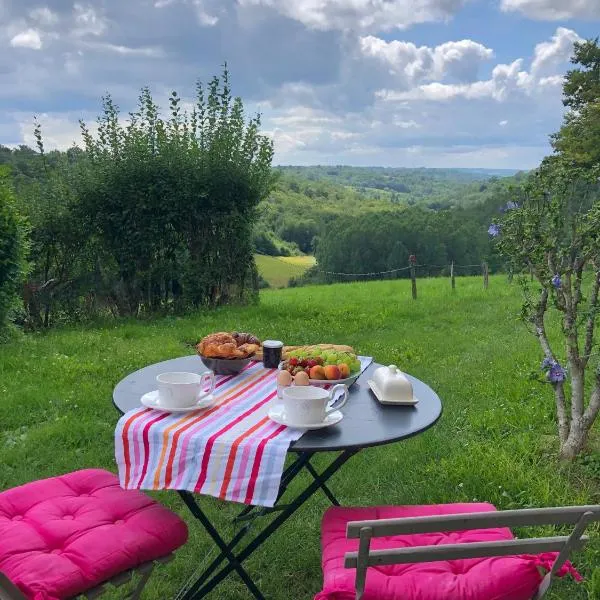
12 249
162 207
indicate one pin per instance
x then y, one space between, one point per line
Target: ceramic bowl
225 366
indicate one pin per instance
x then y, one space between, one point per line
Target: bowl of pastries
228 353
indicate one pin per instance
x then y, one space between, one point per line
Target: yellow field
278 270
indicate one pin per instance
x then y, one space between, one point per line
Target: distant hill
491 172
432 188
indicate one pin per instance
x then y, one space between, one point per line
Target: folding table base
212 576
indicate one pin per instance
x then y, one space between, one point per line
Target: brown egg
301 378
284 378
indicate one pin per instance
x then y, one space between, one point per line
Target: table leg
247 515
324 487
205 584
226 551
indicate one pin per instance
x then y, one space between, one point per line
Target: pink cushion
64 535
500 578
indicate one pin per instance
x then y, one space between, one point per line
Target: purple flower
554 371
557 282
494 230
556 374
547 363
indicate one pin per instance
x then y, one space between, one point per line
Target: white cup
308 405
184 390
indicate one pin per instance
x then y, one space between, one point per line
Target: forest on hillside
442 216
434 188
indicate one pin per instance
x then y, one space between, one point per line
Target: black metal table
366 424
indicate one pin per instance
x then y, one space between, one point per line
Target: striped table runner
232 450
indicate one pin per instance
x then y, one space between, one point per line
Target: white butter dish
391 386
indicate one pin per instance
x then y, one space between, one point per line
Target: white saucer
151 400
277 414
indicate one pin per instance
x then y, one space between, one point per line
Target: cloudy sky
455 83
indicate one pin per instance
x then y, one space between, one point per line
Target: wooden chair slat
419 554
566 515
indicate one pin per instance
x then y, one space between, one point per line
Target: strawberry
293 362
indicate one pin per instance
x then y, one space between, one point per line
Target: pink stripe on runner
213 438
248 448
204 424
257 461
125 442
146 443
137 464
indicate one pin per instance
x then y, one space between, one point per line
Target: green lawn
494 442
278 270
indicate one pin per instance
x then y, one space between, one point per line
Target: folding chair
397 567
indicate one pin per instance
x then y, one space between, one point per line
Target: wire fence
310 274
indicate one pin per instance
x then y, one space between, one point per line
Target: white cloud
30 38
503 123
88 21
374 15
406 124
148 51
44 16
554 10
203 15
59 130
507 80
549 55
459 60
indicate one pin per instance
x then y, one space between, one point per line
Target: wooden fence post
452 280
412 261
485 271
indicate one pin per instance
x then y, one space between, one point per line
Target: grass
278 270
495 441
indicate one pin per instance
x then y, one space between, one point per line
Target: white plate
151 400
365 362
382 400
277 414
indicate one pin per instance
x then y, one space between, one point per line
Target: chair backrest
8 591
579 516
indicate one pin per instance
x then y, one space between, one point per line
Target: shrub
12 249
167 205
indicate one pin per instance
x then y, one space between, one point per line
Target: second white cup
308 405
184 390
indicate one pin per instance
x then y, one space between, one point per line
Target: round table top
366 422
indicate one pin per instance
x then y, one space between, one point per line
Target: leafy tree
552 228
582 84
12 248
300 232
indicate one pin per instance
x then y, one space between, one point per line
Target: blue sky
438 83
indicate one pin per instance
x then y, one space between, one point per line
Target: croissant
245 338
228 345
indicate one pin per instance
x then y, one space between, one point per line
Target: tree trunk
575 443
